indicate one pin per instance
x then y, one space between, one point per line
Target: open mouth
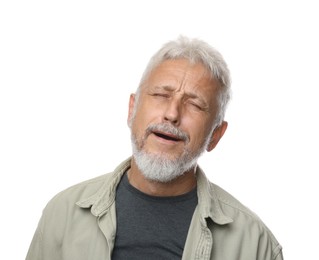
168 137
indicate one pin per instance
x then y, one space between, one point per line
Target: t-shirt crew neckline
183 197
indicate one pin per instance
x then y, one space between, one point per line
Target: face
175 111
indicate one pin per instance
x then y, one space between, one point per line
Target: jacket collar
101 201
208 202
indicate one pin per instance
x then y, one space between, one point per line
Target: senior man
158 204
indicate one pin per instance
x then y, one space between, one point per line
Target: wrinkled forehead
181 75
179 69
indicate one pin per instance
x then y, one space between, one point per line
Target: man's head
178 110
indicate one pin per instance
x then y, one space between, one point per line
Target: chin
162 167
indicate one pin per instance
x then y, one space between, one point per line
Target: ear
130 109
217 135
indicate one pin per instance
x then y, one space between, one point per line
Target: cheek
146 115
198 130
140 122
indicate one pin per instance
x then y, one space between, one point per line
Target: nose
173 112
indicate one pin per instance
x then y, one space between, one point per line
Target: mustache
167 128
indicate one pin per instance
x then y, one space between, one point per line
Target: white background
67 69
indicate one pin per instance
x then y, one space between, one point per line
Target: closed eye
196 106
164 95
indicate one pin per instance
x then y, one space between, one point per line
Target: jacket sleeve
35 249
279 256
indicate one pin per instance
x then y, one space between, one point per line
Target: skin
184 95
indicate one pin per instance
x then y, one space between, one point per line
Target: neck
178 186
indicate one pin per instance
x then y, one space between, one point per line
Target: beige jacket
80 223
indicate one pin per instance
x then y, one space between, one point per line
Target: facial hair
163 167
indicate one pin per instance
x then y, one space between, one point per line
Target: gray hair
196 51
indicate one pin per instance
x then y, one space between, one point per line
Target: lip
166 137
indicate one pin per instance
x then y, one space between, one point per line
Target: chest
151 228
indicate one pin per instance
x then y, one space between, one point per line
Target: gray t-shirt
150 227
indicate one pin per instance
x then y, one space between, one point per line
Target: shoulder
73 194
233 208
87 193
230 204
246 224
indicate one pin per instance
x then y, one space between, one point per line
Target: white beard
160 167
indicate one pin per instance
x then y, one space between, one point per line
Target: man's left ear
217 135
